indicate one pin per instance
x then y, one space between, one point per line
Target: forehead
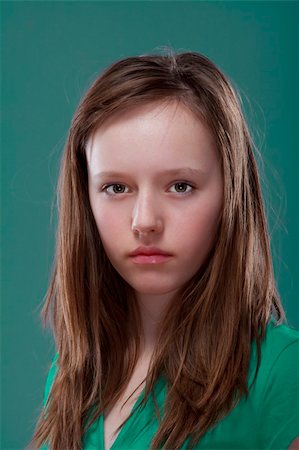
152 134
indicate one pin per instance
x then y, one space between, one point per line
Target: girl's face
155 180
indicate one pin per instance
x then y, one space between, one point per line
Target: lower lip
150 259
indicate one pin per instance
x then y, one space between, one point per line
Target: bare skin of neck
152 308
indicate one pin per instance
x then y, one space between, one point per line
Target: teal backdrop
51 52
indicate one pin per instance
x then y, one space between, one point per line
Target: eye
182 186
116 189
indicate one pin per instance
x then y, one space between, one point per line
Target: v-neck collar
134 419
123 429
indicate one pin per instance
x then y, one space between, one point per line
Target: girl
169 329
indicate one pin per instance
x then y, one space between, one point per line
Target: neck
152 310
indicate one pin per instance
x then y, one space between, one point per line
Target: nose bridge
146 214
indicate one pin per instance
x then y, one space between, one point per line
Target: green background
51 52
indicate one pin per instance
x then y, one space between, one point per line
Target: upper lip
149 251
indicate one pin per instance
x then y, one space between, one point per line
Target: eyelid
184 182
107 185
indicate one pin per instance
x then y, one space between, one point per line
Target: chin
151 283
153 289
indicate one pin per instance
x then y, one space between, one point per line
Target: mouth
149 255
150 259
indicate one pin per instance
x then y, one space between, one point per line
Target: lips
150 255
149 251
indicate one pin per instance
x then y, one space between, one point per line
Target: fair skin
146 205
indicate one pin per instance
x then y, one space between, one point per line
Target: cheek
110 224
197 229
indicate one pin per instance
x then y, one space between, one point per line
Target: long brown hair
204 344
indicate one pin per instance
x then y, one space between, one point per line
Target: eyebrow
183 171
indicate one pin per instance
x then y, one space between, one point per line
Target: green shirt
268 419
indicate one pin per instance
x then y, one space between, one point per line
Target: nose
146 217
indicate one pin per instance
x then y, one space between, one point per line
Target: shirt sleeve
280 401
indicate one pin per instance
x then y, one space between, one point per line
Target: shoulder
280 335
277 386
280 347
279 355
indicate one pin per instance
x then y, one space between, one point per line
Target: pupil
118 188
181 186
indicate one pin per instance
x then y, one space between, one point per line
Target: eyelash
105 187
